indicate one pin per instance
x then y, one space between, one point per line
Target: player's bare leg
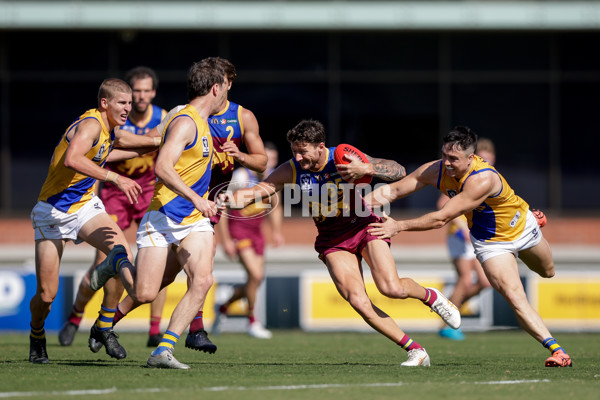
346 272
195 255
47 264
539 259
103 233
502 272
254 265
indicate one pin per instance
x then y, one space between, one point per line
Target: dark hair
141 72
228 67
110 87
307 131
203 75
463 138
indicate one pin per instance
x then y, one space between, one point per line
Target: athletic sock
75 316
37 333
167 342
197 322
251 317
408 344
154 325
118 316
119 260
551 344
105 318
430 297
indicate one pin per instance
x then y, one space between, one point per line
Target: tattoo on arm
387 170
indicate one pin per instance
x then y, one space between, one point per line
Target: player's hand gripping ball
346 149
540 216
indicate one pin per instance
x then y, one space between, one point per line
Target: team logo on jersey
451 193
100 153
305 183
205 147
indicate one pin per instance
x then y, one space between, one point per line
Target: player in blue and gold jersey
143 117
67 207
471 279
230 127
176 232
342 220
501 225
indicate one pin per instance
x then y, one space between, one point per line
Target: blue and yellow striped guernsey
194 168
64 188
501 217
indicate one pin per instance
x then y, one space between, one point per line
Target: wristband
111 177
157 141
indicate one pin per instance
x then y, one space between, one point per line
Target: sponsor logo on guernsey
513 221
205 147
451 193
223 121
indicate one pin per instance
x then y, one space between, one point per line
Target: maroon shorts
215 218
118 207
352 240
247 235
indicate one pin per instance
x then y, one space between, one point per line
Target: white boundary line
241 388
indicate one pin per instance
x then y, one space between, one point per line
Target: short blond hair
110 87
485 144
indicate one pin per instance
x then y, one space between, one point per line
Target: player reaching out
343 239
501 225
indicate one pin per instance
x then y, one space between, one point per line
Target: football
540 216
347 149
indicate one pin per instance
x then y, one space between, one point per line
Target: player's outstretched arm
127 140
266 188
475 191
386 194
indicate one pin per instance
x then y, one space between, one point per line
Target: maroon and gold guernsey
226 126
140 168
340 213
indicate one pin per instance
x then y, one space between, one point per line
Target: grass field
298 365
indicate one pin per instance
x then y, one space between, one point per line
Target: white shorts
158 230
50 223
531 236
460 248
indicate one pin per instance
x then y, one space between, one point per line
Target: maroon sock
430 297
118 316
251 318
154 325
408 344
75 316
197 323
